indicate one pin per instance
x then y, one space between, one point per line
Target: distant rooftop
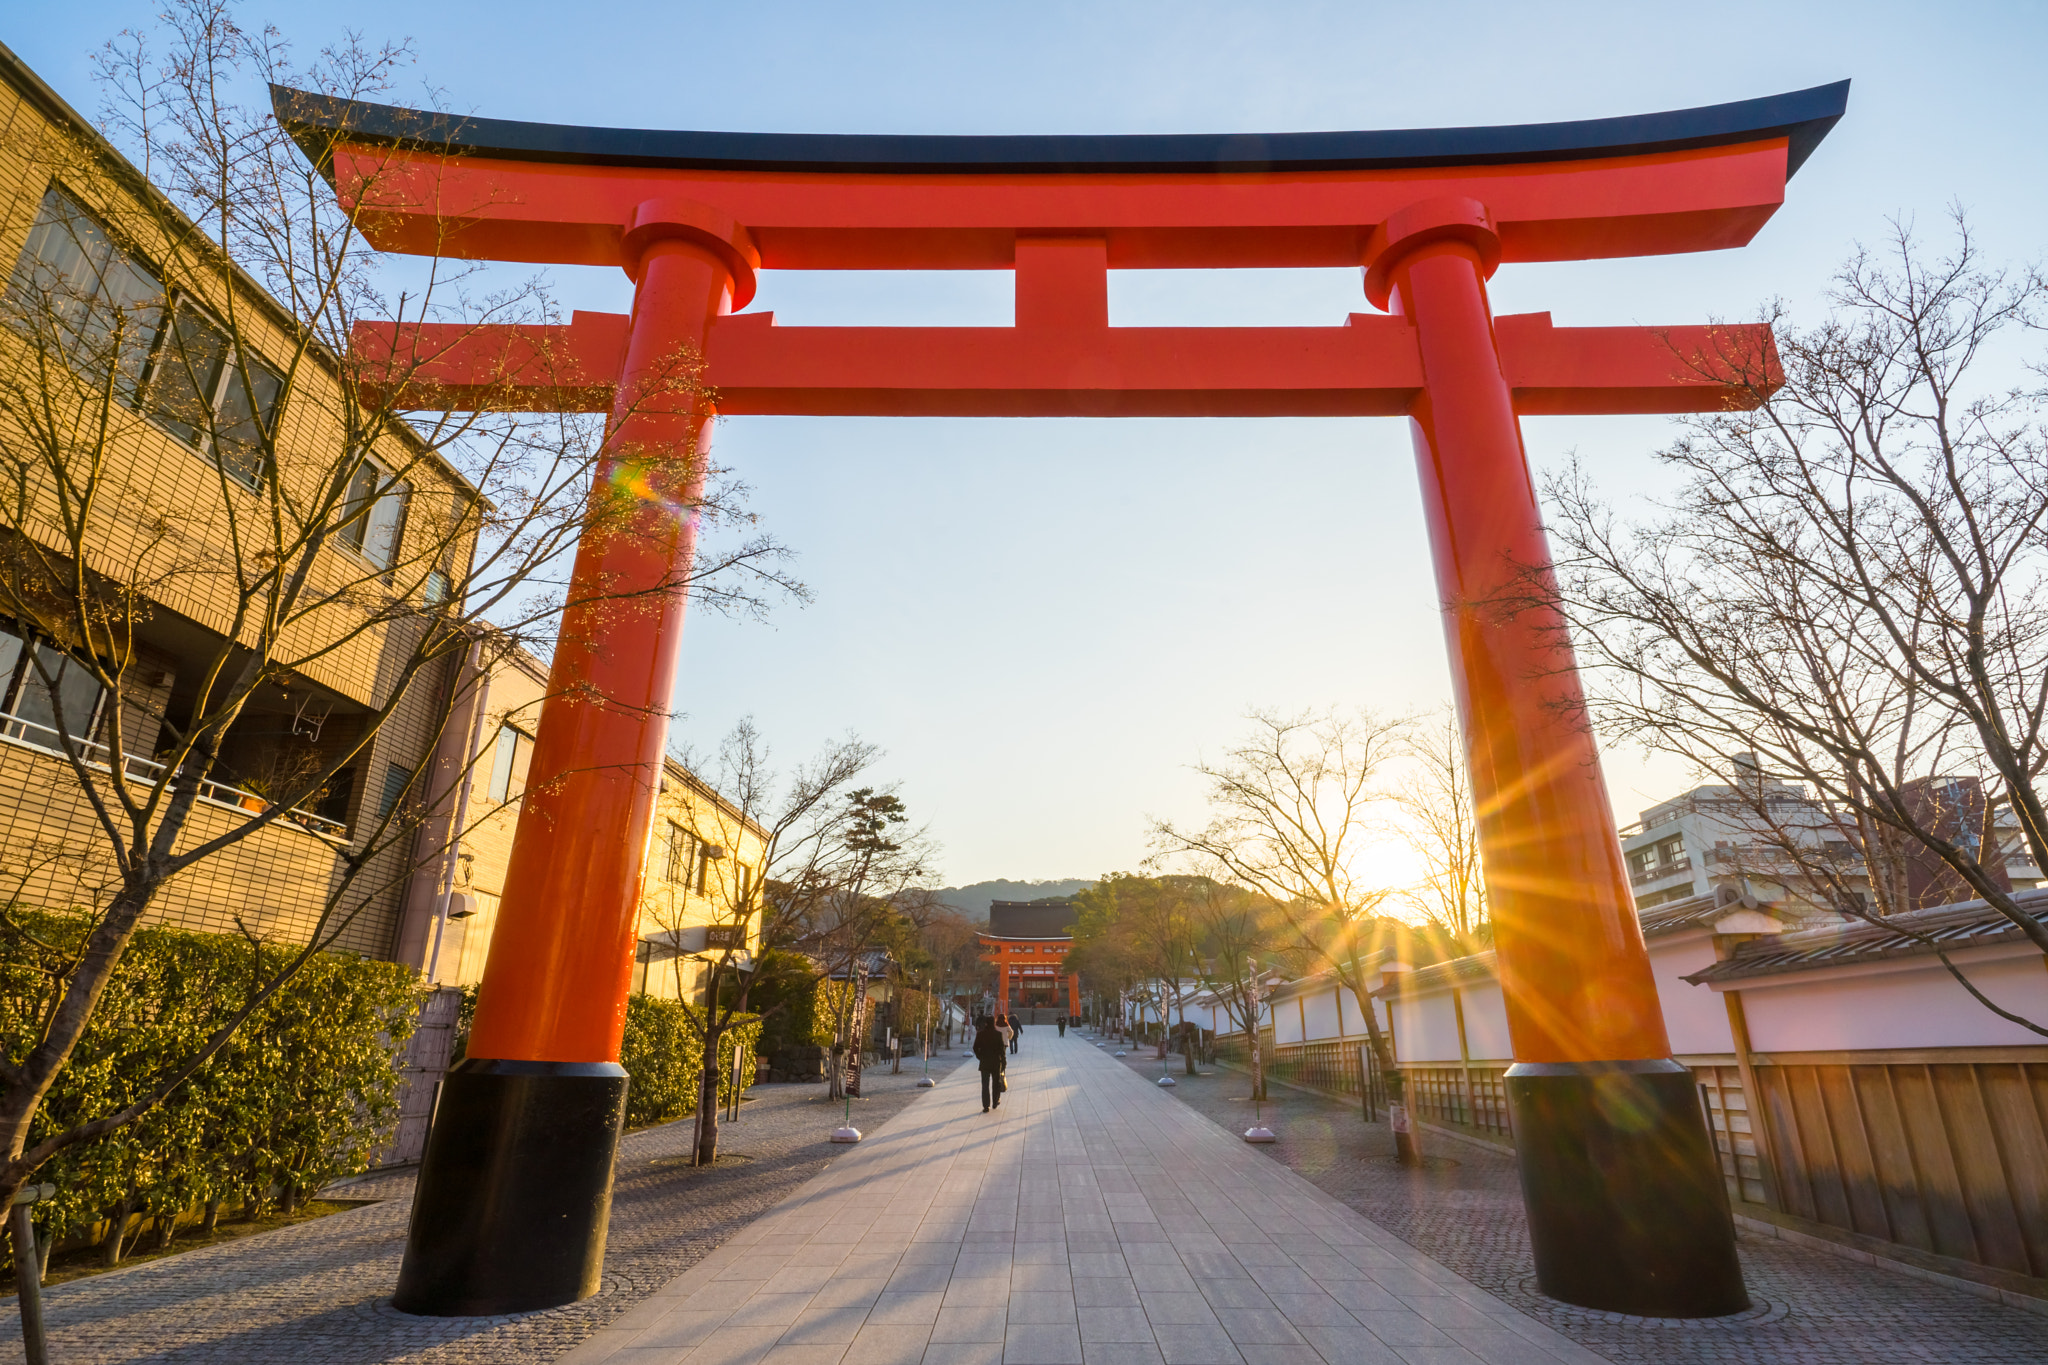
1049 918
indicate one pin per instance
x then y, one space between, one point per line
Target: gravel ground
320 1292
1464 1209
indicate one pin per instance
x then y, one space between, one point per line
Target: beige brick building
702 870
78 224
196 367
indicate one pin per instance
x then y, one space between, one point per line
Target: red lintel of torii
1366 368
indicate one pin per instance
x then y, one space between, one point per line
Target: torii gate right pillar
1627 1210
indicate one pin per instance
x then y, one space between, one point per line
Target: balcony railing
1657 872
47 739
1765 857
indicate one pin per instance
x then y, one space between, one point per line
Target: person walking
1063 1025
1016 1032
989 1052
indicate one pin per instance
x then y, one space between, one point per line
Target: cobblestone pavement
1465 1210
1090 1220
319 1292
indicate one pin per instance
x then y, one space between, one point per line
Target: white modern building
1725 836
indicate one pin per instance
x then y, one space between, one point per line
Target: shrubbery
662 1054
809 1003
306 1091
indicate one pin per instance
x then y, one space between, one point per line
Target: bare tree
315 532
834 876
1150 918
1438 822
1851 581
1289 808
953 943
1234 928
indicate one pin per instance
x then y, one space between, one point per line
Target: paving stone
1034 1343
1093 1220
1041 1306
1463 1211
318 1293
1121 1353
964 1353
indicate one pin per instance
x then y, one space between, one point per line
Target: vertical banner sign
856 1032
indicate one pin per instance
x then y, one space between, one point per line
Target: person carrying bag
993 1054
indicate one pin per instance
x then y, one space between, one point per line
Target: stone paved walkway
319 1292
1465 1209
1090 1220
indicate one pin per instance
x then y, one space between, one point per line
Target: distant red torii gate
1627 1209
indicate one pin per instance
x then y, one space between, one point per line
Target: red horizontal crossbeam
1706 199
1368 367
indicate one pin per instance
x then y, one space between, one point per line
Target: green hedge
660 1051
663 1056
305 1092
808 1002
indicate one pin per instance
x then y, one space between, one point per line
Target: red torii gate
1626 1204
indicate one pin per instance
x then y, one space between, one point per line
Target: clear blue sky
1043 622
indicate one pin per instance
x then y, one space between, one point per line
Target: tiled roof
1458 971
1314 982
1970 924
1694 912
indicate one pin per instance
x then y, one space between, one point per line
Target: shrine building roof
1048 919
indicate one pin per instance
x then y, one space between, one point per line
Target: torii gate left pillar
1626 1204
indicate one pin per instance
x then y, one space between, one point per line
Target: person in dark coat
993 1055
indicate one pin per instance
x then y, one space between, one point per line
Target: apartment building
701 886
701 893
106 289
1737 836
1772 840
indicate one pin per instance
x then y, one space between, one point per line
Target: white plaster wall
1286 1022
1486 1022
1694 1015
1919 1007
1322 1013
1426 1028
1354 1022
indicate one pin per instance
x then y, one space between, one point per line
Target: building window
94 302
677 867
201 393
396 779
509 760
31 704
104 310
375 517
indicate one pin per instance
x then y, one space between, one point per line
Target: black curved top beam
1803 116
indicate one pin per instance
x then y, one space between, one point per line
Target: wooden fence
1943 1150
1335 1066
1730 1122
1473 1095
